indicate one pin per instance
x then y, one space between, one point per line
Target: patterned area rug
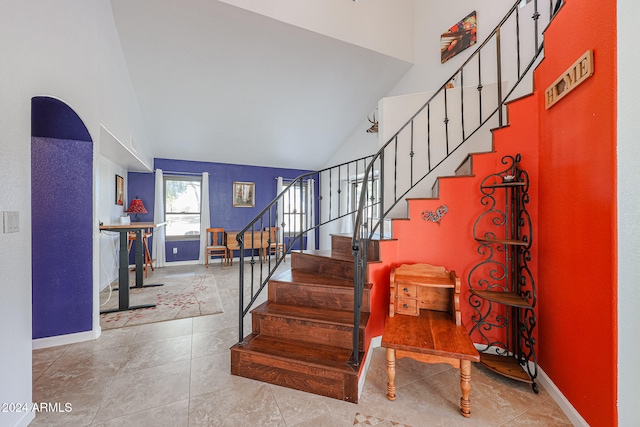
368 420
182 295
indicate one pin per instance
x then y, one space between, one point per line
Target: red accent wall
578 307
569 153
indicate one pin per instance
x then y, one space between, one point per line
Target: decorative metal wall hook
435 216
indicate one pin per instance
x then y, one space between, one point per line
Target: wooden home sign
580 71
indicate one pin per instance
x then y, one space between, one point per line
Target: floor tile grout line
190 376
104 396
275 399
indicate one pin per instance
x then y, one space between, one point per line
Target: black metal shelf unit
503 292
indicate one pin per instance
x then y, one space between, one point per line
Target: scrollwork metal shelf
502 289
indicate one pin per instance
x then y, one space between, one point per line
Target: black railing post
356 316
240 240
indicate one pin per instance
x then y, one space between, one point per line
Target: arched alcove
61 219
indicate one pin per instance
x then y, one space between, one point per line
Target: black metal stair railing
290 214
485 82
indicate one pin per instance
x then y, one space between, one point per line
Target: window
294 209
182 207
373 203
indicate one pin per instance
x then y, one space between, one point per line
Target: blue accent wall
61 220
222 212
52 118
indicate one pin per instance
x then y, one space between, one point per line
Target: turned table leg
391 373
465 386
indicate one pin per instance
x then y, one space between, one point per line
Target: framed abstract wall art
244 194
119 190
459 37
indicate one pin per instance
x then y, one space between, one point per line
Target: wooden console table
260 241
428 326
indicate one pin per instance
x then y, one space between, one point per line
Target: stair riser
317 296
305 331
294 375
322 265
341 246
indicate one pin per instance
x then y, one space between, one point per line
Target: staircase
302 335
331 304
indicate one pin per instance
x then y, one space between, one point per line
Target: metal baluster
446 121
462 102
499 67
411 157
395 170
381 194
536 16
429 136
518 39
480 87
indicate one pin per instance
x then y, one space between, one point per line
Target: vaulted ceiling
219 83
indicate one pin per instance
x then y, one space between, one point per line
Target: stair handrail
366 222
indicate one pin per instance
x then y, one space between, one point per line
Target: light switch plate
11 221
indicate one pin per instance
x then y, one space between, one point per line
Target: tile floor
176 374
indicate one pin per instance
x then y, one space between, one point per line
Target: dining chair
276 245
216 244
148 261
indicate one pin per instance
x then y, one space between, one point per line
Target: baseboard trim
374 343
564 404
47 342
555 393
25 419
177 263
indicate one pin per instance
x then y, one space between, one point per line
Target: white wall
628 215
380 25
69 50
108 213
431 20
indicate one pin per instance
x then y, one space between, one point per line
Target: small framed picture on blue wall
244 194
119 190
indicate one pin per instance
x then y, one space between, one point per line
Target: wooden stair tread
312 278
328 254
323 356
320 315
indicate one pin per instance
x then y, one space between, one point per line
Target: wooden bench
428 327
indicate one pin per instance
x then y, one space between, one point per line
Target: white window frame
287 214
374 205
168 214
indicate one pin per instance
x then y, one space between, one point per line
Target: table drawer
407 306
404 290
